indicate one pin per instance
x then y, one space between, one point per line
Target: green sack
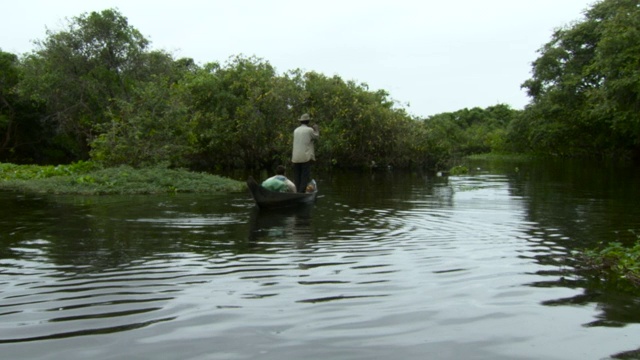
275 184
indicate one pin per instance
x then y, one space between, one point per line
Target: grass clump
88 178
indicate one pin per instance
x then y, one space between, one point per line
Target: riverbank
88 178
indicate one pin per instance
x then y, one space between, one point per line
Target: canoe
267 199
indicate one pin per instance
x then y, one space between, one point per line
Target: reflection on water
289 227
384 265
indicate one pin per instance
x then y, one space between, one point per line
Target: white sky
432 56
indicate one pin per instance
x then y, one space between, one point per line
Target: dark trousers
301 175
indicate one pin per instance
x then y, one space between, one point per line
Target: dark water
386 265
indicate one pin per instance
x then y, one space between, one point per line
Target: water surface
384 265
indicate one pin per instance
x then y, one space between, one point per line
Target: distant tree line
96 91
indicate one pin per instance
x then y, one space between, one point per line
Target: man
279 182
303 152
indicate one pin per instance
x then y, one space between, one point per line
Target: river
385 265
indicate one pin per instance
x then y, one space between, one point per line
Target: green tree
9 78
584 88
618 60
471 131
359 127
152 127
243 113
77 73
23 138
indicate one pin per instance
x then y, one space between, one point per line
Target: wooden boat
267 199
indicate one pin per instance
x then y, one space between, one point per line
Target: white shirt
303 150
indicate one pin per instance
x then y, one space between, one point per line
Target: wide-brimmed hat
305 117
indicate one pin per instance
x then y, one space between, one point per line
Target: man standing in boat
303 154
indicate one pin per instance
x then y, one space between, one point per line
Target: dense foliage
585 87
95 90
615 264
470 131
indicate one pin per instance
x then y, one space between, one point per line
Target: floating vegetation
459 170
615 264
88 178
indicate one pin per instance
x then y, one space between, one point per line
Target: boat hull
267 199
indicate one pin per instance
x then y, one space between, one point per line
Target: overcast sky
432 56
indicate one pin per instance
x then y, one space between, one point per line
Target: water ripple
458 268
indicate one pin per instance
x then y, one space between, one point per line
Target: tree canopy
106 96
585 87
96 90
